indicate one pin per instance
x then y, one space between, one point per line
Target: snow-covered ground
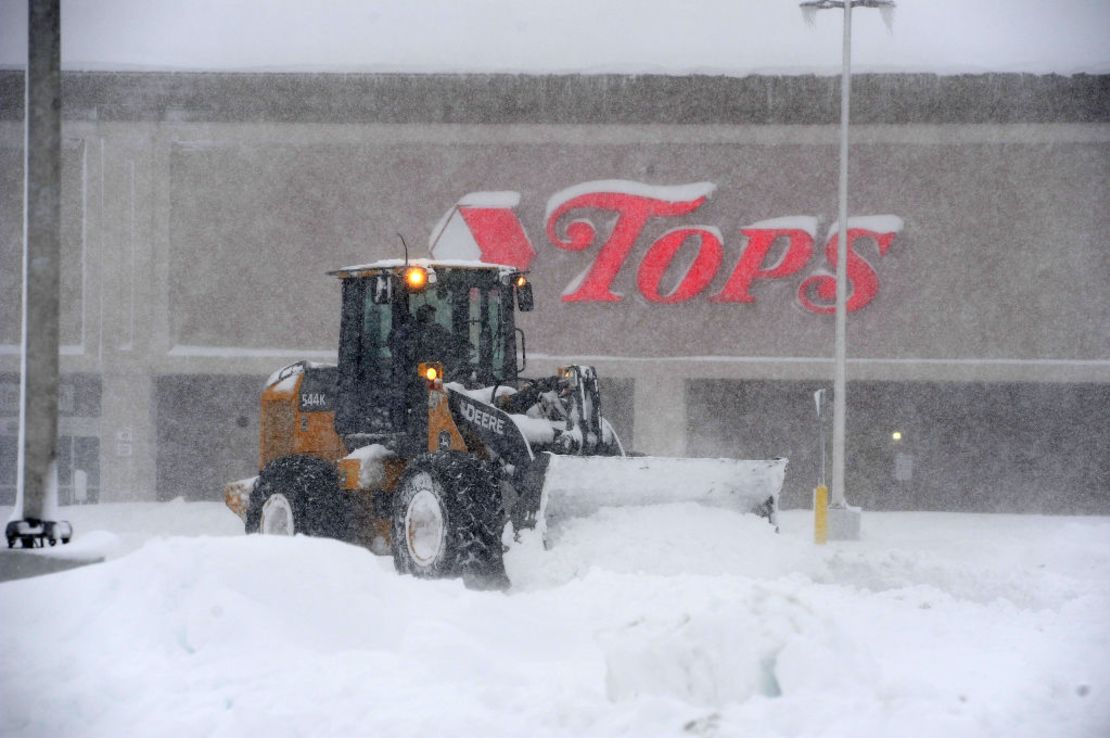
671 620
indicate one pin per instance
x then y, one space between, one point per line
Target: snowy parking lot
669 620
709 214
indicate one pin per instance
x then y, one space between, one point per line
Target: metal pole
840 404
839 379
36 497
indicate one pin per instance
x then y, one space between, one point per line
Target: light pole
810 8
31 524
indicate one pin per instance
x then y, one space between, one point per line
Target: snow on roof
877 223
571 36
805 223
425 263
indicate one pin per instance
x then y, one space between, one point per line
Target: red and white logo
484 226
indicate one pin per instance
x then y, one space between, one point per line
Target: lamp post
809 9
31 524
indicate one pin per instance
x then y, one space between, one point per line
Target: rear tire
298 494
448 519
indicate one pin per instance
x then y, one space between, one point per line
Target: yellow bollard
821 514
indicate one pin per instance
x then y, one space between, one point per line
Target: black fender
493 426
506 443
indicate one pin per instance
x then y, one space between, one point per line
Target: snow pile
675 540
724 650
371 464
663 621
579 485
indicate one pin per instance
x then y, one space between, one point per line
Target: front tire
298 494
448 519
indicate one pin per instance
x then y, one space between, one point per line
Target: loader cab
396 316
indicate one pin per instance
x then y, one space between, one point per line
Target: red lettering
799 247
633 212
863 282
499 235
613 215
662 253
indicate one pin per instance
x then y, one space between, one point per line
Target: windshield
459 324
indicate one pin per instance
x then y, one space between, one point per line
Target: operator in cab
425 339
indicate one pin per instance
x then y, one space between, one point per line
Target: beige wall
1001 258
200 248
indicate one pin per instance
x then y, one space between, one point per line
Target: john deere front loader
426 442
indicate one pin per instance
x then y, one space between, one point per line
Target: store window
78 446
78 469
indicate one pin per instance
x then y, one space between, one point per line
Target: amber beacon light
416 278
430 372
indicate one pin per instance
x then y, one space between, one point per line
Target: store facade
678 231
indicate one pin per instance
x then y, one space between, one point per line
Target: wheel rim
424 523
277 516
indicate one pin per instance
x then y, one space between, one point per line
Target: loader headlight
567 374
416 278
522 288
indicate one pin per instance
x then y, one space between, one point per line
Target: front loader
426 442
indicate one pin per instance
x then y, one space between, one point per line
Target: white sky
592 36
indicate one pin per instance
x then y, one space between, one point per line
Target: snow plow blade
577 486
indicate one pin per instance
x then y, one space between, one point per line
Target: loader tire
298 494
447 520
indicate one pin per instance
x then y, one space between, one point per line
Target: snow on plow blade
577 486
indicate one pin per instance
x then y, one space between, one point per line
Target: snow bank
675 540
668 620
